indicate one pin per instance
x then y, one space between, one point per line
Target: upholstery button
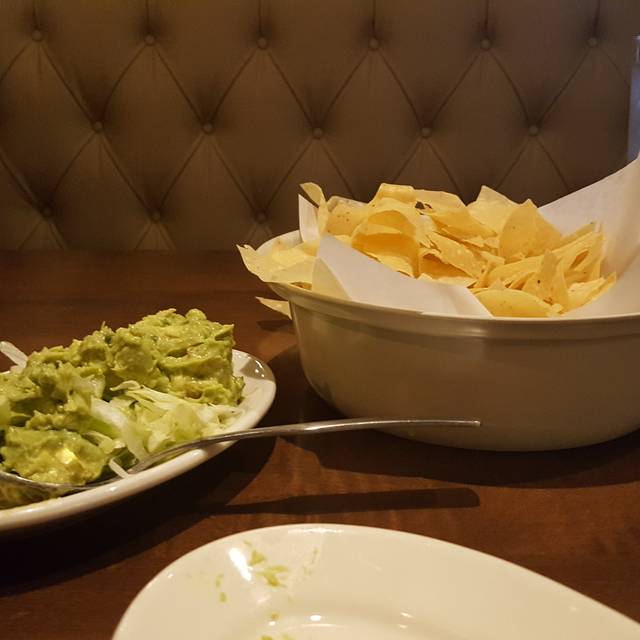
425 132
97 126
46 212
485 44
207 127
261 217
155 216
262 42
374 44
36 35
149 39
534 130
593 41
318 133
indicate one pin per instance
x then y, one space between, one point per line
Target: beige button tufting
593 41
425 132
485 44
374 44
534 130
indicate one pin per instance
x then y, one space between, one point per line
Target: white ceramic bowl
535 384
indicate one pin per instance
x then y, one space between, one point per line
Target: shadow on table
282 325
614 462
357 502
40 557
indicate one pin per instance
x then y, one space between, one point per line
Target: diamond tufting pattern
189 124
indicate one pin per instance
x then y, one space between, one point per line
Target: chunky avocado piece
52 455
189 356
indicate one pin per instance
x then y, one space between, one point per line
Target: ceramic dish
311 582
259 393
534 383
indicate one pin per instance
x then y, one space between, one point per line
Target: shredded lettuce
161 420
149 421
19 358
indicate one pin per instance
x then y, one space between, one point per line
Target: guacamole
117 395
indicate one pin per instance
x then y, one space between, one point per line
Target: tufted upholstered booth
190 123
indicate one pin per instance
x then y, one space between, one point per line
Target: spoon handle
305 428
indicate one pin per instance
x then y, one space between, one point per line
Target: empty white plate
318 582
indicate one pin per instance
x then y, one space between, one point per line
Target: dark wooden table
573 516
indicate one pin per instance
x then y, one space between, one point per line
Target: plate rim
37 514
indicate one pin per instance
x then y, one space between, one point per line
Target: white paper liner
358 277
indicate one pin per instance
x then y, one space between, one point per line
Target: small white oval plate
326 581
260 389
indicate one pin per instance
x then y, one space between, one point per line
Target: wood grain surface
570 515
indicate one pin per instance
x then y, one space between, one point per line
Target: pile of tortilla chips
505 253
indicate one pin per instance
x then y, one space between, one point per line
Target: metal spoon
17 490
